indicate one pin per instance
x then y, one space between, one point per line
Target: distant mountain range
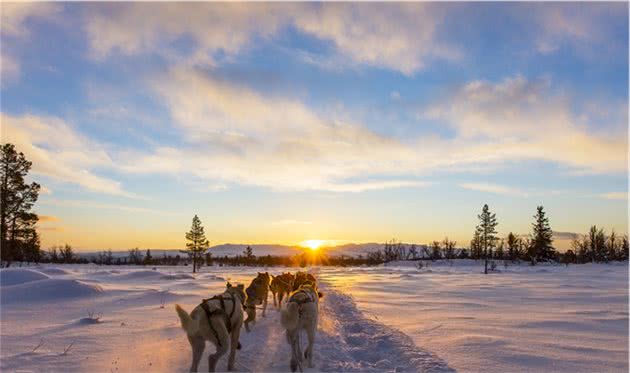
229 249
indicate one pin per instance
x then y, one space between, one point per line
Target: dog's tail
289 316
188 324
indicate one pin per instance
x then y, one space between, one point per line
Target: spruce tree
248 252
198 244
475 246
17 223
148 259
487 233
513 244
542 237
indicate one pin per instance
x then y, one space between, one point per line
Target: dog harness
300 302
219 311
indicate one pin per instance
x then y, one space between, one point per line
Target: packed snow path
346 342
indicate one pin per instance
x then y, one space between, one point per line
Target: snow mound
54 271
17 276
140 275
48 290
177 276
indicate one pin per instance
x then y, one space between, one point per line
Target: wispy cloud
87 204
520 119
15 33
280 140
363 34
494 188
57 150
614 195
47 218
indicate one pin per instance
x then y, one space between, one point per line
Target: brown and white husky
257 294
301 313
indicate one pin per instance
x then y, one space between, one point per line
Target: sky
345 122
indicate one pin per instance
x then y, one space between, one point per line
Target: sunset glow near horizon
316 124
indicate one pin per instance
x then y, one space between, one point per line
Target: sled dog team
219 319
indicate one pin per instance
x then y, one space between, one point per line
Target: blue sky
282 122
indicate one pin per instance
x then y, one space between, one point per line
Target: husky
257 293
301 278
218 320
280 286
301 313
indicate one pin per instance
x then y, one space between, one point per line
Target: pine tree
613 246
487 233
542 236
31 247
449 248
475 246
624 248
53 256
198 244
513 244
66 254
500 254
248 252
148 259
17 223
436 250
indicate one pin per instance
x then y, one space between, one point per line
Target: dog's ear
228 285
320 294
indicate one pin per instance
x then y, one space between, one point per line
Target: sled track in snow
346 341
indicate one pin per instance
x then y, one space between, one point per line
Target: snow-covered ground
393 318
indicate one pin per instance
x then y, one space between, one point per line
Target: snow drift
16 276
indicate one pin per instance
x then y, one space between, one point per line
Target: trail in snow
346 341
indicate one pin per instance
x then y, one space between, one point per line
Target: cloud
237 135
565 23
615 195
15 15
520 119
73 203
60 152
47 218
14 18
565 235
9 69
494 188
400 37
212 28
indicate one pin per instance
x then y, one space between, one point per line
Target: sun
313 244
